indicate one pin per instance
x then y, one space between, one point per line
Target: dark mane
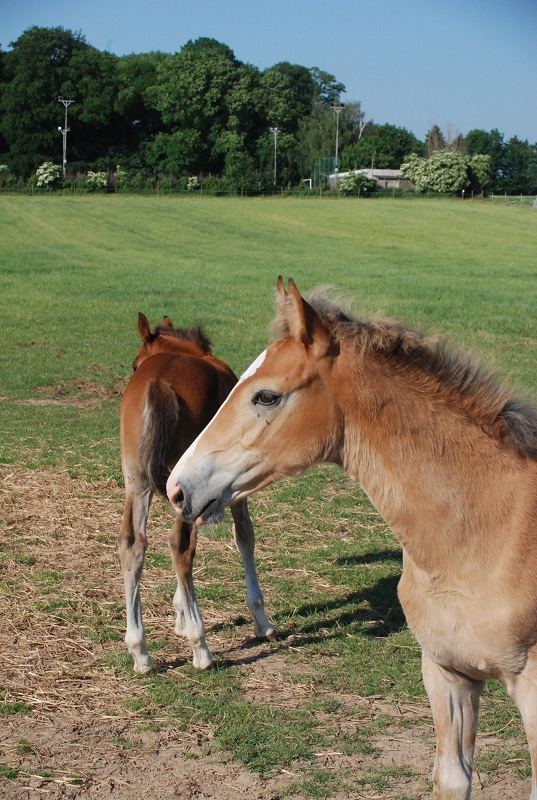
195 335
430 362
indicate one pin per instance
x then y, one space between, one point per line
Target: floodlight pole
338 110
275 132
64 131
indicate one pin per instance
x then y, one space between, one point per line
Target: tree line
202 112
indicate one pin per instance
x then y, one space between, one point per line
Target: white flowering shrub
444 172
4 170
415 169
48 175
96 181
192 184
356 183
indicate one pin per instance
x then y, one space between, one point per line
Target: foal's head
164 338
282 417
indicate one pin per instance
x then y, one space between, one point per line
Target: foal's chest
459 628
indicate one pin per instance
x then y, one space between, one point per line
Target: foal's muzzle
212 510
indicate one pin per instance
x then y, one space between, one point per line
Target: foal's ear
143 327
303 322
166 322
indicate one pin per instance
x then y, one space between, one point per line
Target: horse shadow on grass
374 612
371 558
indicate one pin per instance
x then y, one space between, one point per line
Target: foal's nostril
178 497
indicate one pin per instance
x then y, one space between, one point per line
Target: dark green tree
47 63
382 146
434 141
289 93
246 113
4 150
192 92
285 102
139 120
317 137
36 72
327 90
171 153
518 172
479 142
96 127
533 169
294 93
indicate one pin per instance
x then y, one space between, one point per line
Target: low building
385 178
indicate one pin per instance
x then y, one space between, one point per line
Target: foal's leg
455 705
189 622
523 691
132 544
243 533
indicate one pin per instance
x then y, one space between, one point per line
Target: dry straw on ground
61 606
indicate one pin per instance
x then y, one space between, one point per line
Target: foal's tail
160 416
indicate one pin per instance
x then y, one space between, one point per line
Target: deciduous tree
192 92
382 146
36 72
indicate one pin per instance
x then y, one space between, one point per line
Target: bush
96 182
356 183
121 179
213 185
447 172
48 175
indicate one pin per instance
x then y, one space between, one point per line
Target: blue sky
459 64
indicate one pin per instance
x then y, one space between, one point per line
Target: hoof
202 659
266 635
144 667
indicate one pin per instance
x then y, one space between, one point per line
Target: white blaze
189 453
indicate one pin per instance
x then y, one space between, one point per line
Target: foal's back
200 383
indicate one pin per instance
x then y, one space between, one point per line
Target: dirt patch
72 393
70 729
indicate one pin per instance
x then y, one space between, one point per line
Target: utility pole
275 132
338 110
64 131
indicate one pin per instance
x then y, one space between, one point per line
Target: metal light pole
64 131
338 110
275 131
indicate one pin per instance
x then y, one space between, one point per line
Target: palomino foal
448 459
176 389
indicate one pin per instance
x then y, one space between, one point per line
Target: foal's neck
432 473
172 344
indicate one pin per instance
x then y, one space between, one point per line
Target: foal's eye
265 398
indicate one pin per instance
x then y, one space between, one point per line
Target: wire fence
305 191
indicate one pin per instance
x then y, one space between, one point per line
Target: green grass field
75 271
